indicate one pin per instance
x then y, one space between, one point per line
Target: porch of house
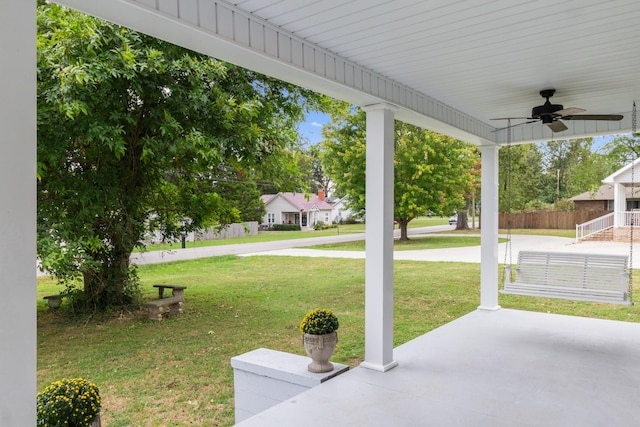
487 368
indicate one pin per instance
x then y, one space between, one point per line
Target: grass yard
263 236
270 236
177 372
433 241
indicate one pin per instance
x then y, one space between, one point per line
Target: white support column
379 244
489 230
18 214
619 205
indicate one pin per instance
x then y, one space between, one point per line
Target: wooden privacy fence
548 219
229 232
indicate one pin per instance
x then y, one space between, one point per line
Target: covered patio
488 368
449 67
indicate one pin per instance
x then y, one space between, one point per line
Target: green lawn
263 236
177 373
269 236
415 243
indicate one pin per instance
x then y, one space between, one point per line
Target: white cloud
316 124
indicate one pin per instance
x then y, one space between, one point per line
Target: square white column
379 243
619 205
489 230
18 214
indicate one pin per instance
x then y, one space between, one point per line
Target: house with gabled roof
618 193
296 208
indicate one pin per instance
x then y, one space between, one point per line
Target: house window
326 217
271 217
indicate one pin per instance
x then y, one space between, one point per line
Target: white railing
629 218
595 226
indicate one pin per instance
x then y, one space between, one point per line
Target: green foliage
313 173
319 321
564 205
285 227
520 175
432 171
241 194
136 135
73 402
533 177
621 151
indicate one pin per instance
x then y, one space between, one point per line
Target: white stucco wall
17 214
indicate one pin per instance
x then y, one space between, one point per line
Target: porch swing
574 276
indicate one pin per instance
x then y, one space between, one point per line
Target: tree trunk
108 281
463 218
404 235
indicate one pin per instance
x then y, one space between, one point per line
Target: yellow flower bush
319 321
73 402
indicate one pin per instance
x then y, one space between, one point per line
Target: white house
340 210
296 208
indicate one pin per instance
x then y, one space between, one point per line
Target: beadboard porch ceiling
451 66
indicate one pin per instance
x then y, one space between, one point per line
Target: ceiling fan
550 114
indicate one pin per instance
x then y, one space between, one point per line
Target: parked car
453 220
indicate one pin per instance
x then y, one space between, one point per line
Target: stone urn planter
320 348
319 338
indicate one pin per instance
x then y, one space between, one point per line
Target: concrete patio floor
487 368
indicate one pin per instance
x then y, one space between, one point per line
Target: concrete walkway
472 253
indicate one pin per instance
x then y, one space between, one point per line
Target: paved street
296 247
154 257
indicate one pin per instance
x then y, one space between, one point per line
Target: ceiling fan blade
512 118
610 117
557 126
517 124
569 111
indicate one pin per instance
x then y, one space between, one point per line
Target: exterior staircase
597 229
600 236
602 229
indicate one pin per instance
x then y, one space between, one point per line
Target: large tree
431 171
520 176
571 167
131 134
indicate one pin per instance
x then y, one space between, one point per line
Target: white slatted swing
576 276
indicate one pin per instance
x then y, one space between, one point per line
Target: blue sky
311 128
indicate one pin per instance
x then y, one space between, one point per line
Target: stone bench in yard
162 307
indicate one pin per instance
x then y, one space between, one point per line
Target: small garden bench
53 301
585 277
160 308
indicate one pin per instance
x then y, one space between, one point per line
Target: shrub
73 402
285 227
319 321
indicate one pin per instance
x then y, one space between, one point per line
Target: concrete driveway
506 253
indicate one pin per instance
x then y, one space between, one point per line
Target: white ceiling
481 58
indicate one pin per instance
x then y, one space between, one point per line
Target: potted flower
73 402
319 338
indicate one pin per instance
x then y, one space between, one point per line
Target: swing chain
507 252
635 157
